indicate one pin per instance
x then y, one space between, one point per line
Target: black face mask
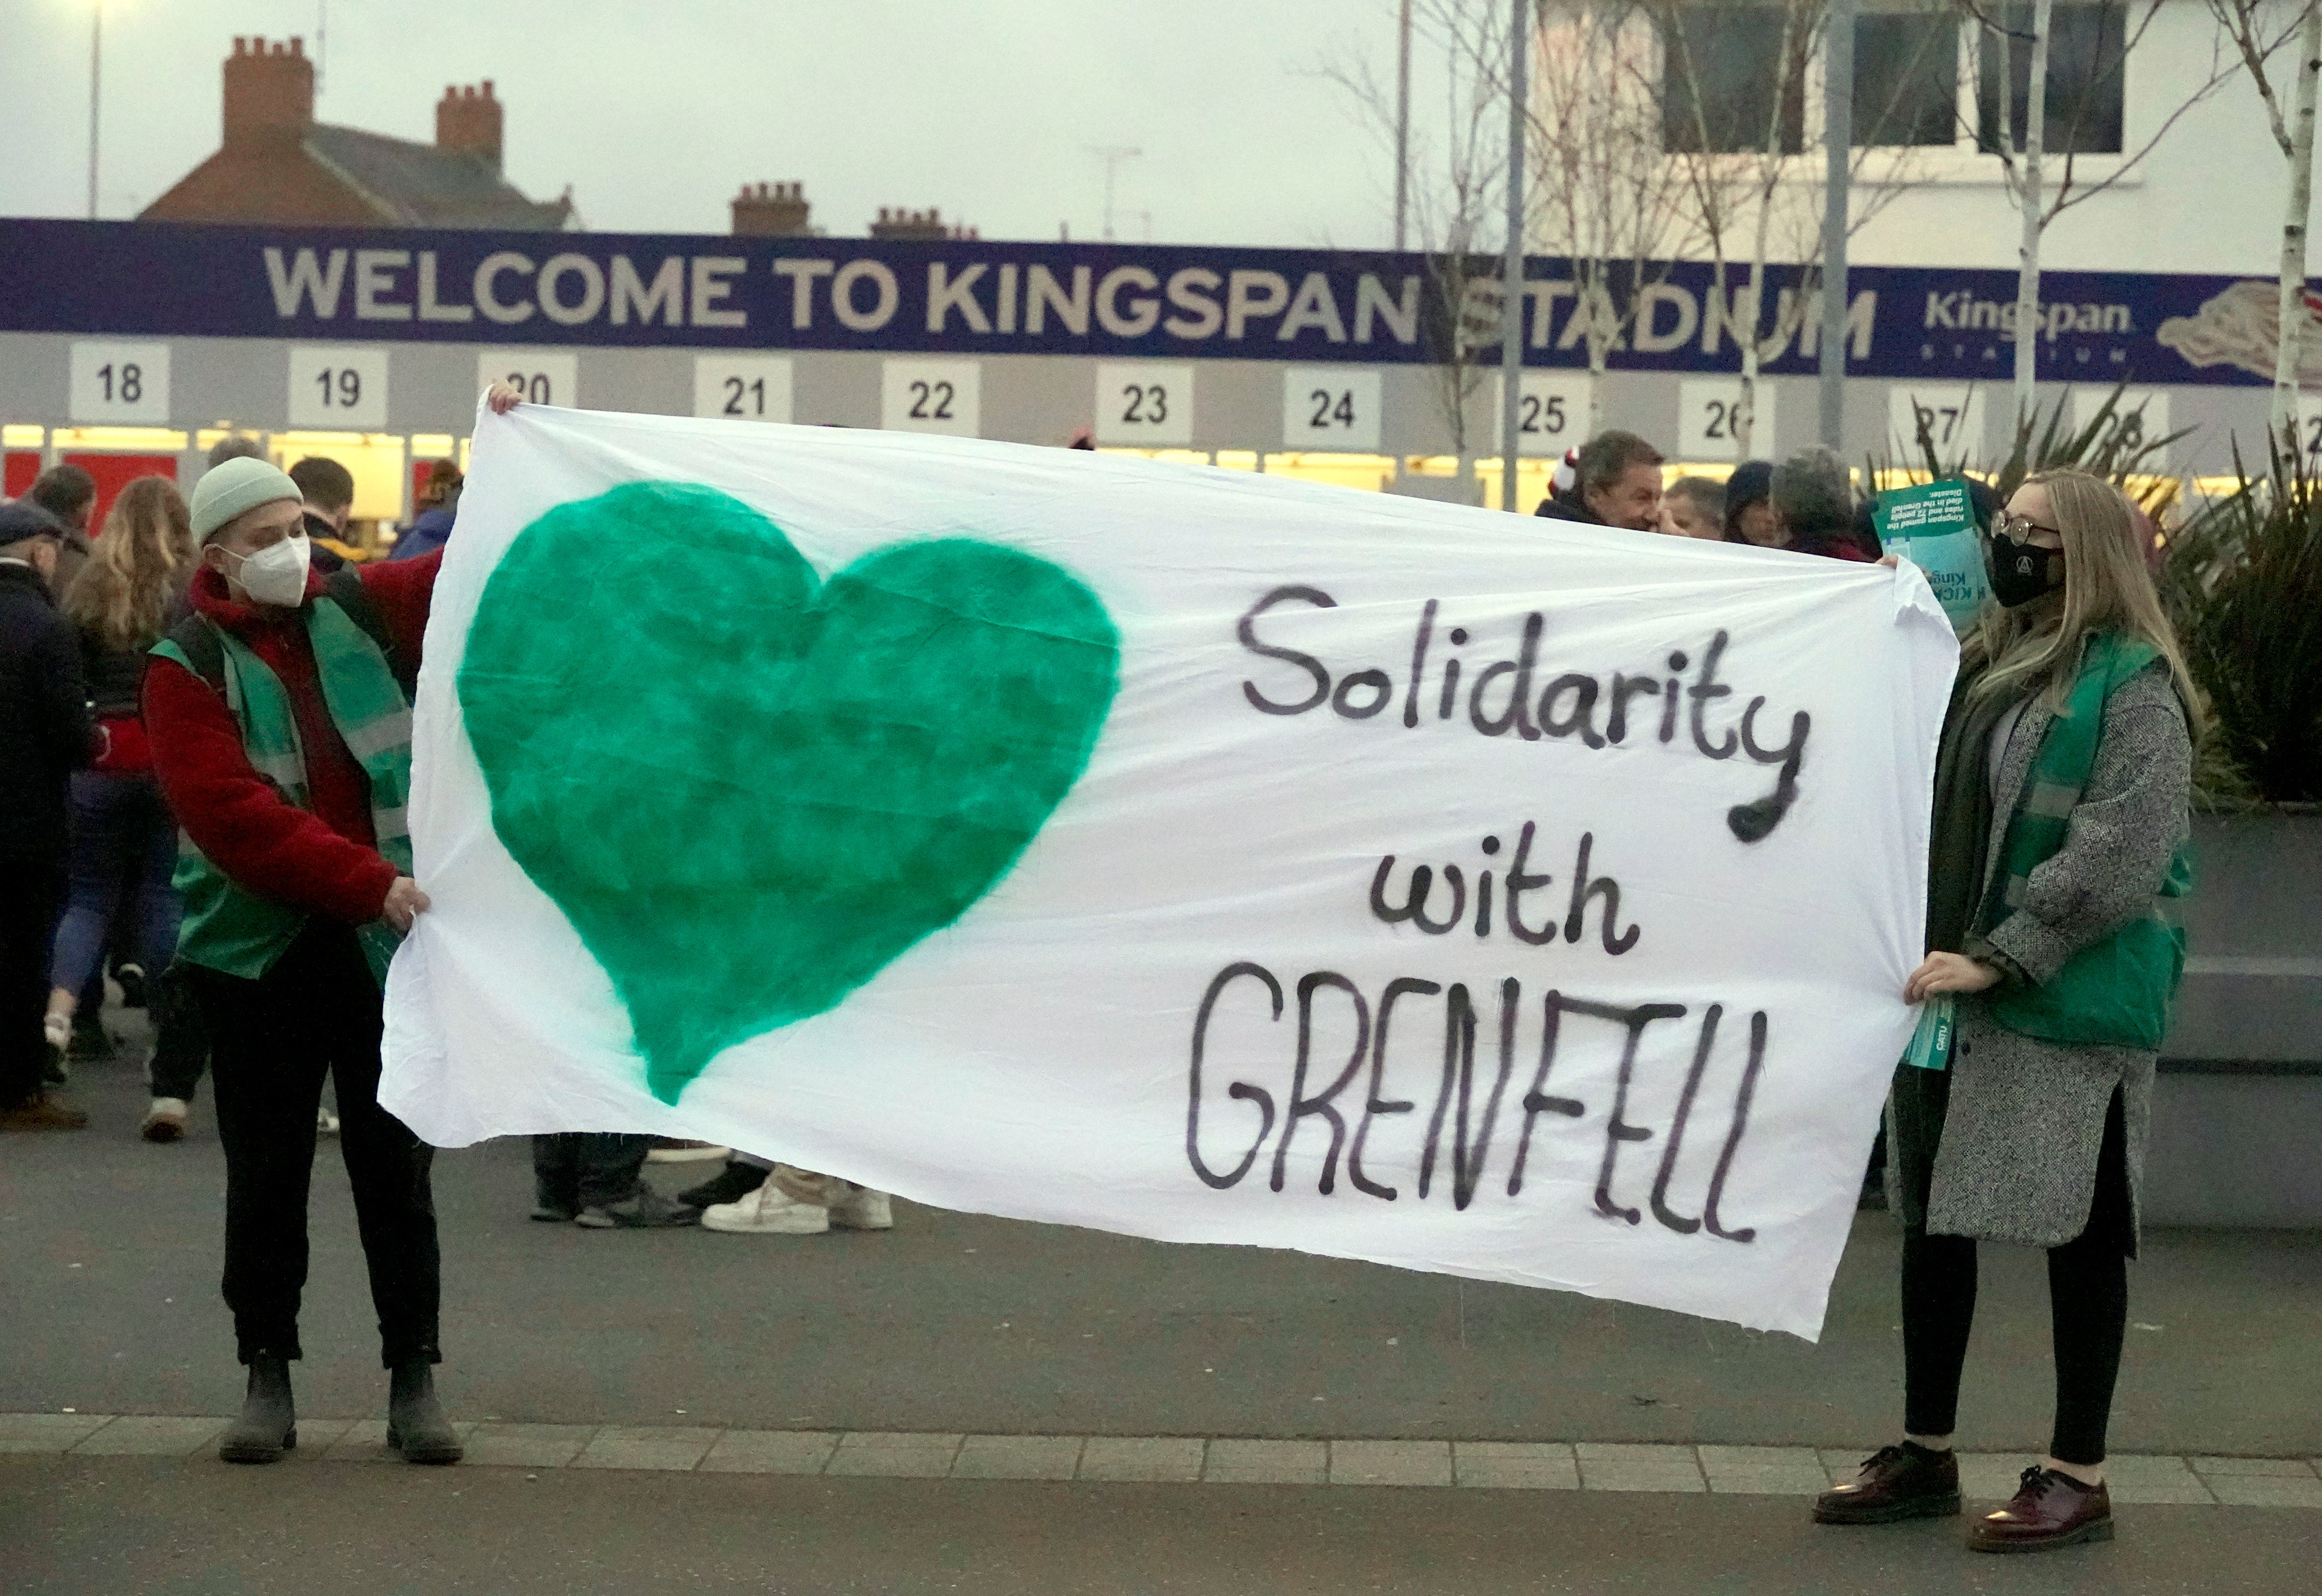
2021 572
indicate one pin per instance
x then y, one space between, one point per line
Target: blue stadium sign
1121 301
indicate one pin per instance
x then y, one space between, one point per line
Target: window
1905 78
2086 48
1722 71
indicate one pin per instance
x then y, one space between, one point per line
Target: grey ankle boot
268 1425
415 1425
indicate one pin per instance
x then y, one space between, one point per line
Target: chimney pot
268 92
771 210
470 124
297 46
488 89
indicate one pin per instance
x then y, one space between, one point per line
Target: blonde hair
2035 648
123 594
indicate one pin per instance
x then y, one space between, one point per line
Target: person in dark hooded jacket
44 737
1749 517
439 507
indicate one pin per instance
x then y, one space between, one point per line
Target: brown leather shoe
42 1111
2050 1509
1897 1482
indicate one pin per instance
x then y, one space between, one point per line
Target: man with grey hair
1694 506
1813 501
1616 482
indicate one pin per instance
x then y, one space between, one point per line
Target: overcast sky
656 112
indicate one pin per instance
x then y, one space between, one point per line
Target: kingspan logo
1960 311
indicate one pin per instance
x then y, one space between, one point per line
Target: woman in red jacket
279 721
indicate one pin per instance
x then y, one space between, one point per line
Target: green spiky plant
2243 582
2110 444
2242 579
2107 442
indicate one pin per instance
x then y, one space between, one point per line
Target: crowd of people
205 750
1806 504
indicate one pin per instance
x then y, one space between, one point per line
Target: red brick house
279 165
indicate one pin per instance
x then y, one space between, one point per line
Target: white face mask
275 574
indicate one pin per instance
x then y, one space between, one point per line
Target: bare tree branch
2069 191
1455 158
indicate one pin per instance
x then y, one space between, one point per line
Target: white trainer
864 1210
164 1121
767 1211
681 1150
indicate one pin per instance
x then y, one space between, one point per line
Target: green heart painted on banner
750 789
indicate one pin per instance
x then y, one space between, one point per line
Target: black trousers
181 1043
32 895
586 1168
2088 1311
316 1013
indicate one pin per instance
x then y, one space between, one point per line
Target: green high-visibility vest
2115 992
225 925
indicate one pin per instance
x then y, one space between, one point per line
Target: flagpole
95 64
1511 316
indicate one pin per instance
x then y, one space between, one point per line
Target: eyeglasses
2018 529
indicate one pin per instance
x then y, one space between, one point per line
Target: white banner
1180 852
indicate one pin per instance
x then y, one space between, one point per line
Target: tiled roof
420 185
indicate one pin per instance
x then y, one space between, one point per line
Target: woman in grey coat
2060 832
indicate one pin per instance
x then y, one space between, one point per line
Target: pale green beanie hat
227 490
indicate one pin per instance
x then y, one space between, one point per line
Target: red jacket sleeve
404 589
272 848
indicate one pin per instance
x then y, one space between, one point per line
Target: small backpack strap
346 588
199 642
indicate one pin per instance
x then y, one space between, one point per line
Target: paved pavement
1602 1466
125 1526
955 1323
968 1403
